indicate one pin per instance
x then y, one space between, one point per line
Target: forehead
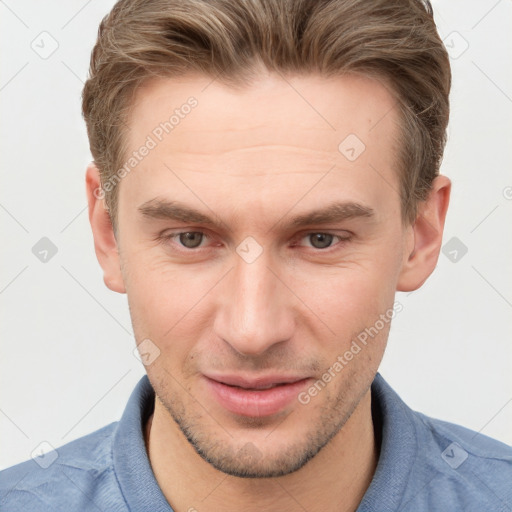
274 109
279 134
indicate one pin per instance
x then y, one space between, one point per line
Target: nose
256 308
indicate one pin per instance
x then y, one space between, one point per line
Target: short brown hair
393 40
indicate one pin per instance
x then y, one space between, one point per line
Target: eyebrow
174 210
334 212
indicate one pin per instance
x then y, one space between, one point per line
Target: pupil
191 239
321 240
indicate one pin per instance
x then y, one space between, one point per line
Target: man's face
262 295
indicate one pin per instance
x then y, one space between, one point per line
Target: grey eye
191 239
320 240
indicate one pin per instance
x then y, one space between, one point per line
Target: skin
252 159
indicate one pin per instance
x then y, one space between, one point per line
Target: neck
335 480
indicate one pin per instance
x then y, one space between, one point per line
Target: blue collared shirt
424 465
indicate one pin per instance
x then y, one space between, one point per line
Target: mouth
255 397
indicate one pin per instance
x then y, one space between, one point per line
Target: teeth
270 386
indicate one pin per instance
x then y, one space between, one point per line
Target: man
265 178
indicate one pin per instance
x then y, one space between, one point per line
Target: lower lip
254 403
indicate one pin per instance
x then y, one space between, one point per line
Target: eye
191 239
320 240
185 241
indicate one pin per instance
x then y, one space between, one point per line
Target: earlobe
105 243
427 233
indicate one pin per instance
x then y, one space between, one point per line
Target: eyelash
168 237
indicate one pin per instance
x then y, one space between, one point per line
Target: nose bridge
255 313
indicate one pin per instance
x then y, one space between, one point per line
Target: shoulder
460 467
77 476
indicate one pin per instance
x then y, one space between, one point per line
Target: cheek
347 296
164 297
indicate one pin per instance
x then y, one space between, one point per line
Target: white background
67 366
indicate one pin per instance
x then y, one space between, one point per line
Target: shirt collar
131 463
398 450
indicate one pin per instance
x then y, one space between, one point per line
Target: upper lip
257 382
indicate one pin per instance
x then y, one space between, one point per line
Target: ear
426 237
105 243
